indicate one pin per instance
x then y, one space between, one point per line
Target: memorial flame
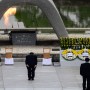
9 12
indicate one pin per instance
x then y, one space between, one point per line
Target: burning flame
9 12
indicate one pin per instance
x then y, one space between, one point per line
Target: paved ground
64 77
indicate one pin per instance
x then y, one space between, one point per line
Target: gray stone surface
47 6
23 37
64 77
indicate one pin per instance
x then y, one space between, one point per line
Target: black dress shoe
29 78
32 78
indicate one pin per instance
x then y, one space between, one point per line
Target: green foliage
67 22
32 17
72 2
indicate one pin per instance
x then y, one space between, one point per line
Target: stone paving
64 77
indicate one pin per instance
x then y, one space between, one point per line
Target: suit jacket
85 69
31 60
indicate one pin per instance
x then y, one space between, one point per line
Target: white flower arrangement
69 54
82 54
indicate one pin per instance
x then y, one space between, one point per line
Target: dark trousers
31 72
86 83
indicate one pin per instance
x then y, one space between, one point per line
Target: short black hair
31 53
87 59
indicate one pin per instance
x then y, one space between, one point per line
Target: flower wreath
73 52
82 52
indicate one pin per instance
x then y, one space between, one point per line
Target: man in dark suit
31 64
85 73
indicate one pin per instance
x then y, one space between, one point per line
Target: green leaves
32 17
